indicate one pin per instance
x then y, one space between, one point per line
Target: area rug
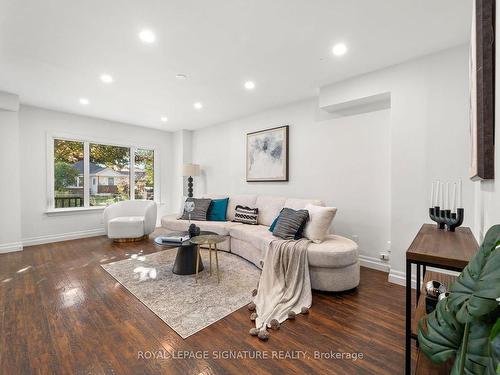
186 306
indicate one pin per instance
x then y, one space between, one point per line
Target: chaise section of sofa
333 263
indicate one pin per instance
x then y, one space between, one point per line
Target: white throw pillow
319 221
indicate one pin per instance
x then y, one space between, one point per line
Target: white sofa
130 220
333 264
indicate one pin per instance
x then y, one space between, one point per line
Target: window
88 174
105 163
68 168
144 174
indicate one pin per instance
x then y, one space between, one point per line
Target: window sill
73 210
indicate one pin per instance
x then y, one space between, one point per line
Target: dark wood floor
61 313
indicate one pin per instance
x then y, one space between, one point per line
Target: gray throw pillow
290 224
200 209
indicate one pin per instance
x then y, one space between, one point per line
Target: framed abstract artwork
267 155
482 91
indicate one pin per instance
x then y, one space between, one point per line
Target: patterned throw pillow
290 224
200 209
246 215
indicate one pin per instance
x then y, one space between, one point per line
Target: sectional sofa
333 263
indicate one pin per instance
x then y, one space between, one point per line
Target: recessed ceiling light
249 85
164 119
106 78
198 105
339 49
84 101
181 76
147 36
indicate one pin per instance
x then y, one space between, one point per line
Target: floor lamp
190 170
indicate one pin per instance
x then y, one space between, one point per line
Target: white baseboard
62 237
398 277
448 272
374 263
10 247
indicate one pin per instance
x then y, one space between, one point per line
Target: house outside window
144 174
115 173
79 181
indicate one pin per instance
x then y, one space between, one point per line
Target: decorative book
176 239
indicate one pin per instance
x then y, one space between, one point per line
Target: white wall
181 154
381 194
375 167
35 124
10 197
429 136
344 162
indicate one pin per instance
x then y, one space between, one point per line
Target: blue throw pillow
217 210
271 228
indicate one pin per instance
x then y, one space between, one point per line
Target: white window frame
87 140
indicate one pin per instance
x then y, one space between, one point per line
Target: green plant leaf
495 346
443 339
443 336
475 292
478 360
466 325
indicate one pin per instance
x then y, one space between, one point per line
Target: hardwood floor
61 313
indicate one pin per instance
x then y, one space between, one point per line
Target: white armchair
130 220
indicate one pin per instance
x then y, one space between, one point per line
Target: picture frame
267 155
482 91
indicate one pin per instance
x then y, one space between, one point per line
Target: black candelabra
446 218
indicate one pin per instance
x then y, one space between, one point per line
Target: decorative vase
433 290
193 231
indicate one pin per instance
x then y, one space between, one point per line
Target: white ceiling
53 51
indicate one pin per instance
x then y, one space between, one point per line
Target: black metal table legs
408 335
408 320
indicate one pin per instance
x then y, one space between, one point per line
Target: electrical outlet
384 255
389 246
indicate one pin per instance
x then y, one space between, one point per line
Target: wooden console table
440 249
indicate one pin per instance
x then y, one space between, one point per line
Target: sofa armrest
167 218
150 218
109 213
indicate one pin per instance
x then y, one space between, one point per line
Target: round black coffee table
185 261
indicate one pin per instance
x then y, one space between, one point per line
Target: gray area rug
187 307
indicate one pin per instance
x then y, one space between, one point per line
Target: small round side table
211 240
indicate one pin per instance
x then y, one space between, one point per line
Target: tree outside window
108 173
144 174
110 164
68 166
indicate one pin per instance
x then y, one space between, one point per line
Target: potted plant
466 324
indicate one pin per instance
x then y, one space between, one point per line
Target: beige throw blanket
284 284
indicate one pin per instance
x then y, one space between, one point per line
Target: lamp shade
191 170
